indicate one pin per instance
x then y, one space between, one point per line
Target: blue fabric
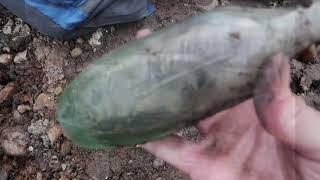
67 2
151 9
67 19
66 16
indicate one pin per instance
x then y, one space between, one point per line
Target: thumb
283 114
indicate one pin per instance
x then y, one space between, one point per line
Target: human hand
272 136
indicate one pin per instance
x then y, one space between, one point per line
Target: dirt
35 82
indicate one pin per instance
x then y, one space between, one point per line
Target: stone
158 163
7 28
112 29
66 147
207 5
14 142
16 116
23 108
80 40
39 176
54 133
63 167
6 59
37 128
7 92
30 148
95 39
22 30
76 52
20 57
58 90
43 100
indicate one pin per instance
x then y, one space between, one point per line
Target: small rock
16 116
23 108
80 41
94 41
66 147
54 133
14 142
39 176
76 52
43 100
7 28
58 90
22 30
37 128
30 148
6 59
63 167
3 175
158 163
26 99
112 29
20 57
7 92
207 5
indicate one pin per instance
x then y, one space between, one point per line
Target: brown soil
50 66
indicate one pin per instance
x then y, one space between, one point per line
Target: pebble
94 41
3 175
14 142
6 59
22 30
7 28
7 92
112 30
63 167
58 90
43 100
80 41
23 108
39 176
158 163
76 52
37 128
54 133
207 5
20 57
30 148
66 147
16 116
